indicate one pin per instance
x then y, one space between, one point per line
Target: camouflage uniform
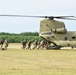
35 44
29 44
24 44
38 44
1 43
42 44
6 43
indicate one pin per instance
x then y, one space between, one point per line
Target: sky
34 8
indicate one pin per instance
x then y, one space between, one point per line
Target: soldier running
29 44
1 43
6 43
24 43
35 44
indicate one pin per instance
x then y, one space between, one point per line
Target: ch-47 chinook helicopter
54 31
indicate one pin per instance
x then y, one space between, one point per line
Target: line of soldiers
37 44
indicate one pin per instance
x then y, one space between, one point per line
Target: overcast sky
34 8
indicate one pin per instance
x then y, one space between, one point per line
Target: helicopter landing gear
72 47
53 47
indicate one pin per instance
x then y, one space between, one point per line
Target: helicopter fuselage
55 31
63 40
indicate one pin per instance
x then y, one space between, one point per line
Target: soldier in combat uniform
6 43
24 43
29 45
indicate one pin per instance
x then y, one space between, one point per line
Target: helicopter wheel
53 47
72 47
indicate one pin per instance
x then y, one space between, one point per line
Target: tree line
21 34
17 38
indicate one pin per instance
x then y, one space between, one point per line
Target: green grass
37 62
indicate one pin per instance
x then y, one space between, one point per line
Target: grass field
15 61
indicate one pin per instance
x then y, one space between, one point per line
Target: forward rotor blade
23 16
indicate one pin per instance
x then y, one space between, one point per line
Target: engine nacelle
59 30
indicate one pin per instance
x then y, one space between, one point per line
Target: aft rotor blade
66 18
63 16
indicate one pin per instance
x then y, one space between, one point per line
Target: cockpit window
46 33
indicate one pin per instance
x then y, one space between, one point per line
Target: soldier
38 44
24 43
6 43
42 44
35 44
1 43
29 44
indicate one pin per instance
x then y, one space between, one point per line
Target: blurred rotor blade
65 18
50 17
35 16
74 16
22 16
62 17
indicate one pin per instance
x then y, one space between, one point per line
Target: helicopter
54 31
